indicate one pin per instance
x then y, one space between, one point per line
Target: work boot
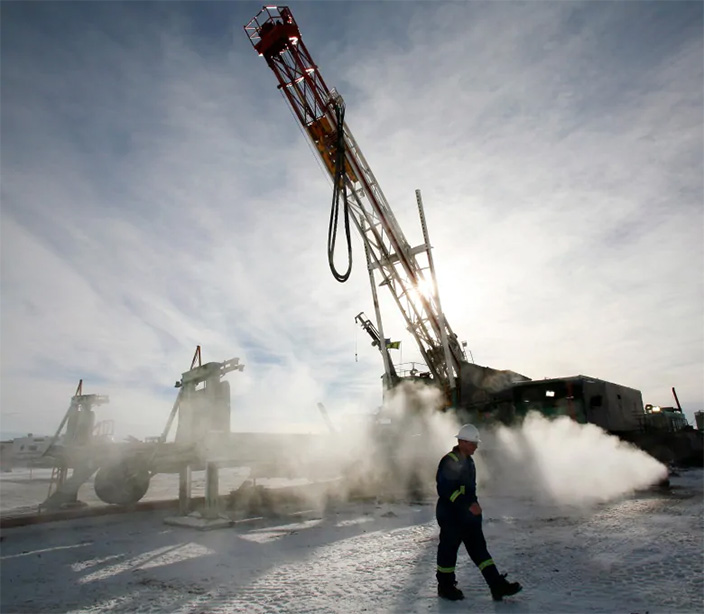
503 588
450 591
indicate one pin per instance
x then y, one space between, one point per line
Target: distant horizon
10 435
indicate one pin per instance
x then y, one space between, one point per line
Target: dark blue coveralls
457 490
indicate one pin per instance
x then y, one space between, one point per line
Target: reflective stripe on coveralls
457 493
485 564
446 569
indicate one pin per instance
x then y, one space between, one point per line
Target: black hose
339 188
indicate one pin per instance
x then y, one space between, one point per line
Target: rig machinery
408 272
474 391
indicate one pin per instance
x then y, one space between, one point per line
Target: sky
157 194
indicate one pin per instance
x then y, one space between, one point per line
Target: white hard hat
469 432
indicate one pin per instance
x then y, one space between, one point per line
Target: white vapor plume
557 460
404 444
394 454
564 462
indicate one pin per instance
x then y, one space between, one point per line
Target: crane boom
274 34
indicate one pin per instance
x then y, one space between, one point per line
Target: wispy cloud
156 195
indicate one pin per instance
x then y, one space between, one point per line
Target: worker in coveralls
460 518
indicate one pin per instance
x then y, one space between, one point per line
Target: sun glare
424 287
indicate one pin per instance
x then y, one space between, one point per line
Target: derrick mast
406 271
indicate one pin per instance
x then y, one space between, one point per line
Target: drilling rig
407 271
475 392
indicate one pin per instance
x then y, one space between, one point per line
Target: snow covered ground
641 553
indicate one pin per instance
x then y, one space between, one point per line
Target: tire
121 484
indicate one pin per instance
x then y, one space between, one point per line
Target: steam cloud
567 462
395 456
558 461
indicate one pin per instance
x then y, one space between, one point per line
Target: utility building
615 408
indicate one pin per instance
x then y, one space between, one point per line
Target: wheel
121 484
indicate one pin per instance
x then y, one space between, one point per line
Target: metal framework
274 34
